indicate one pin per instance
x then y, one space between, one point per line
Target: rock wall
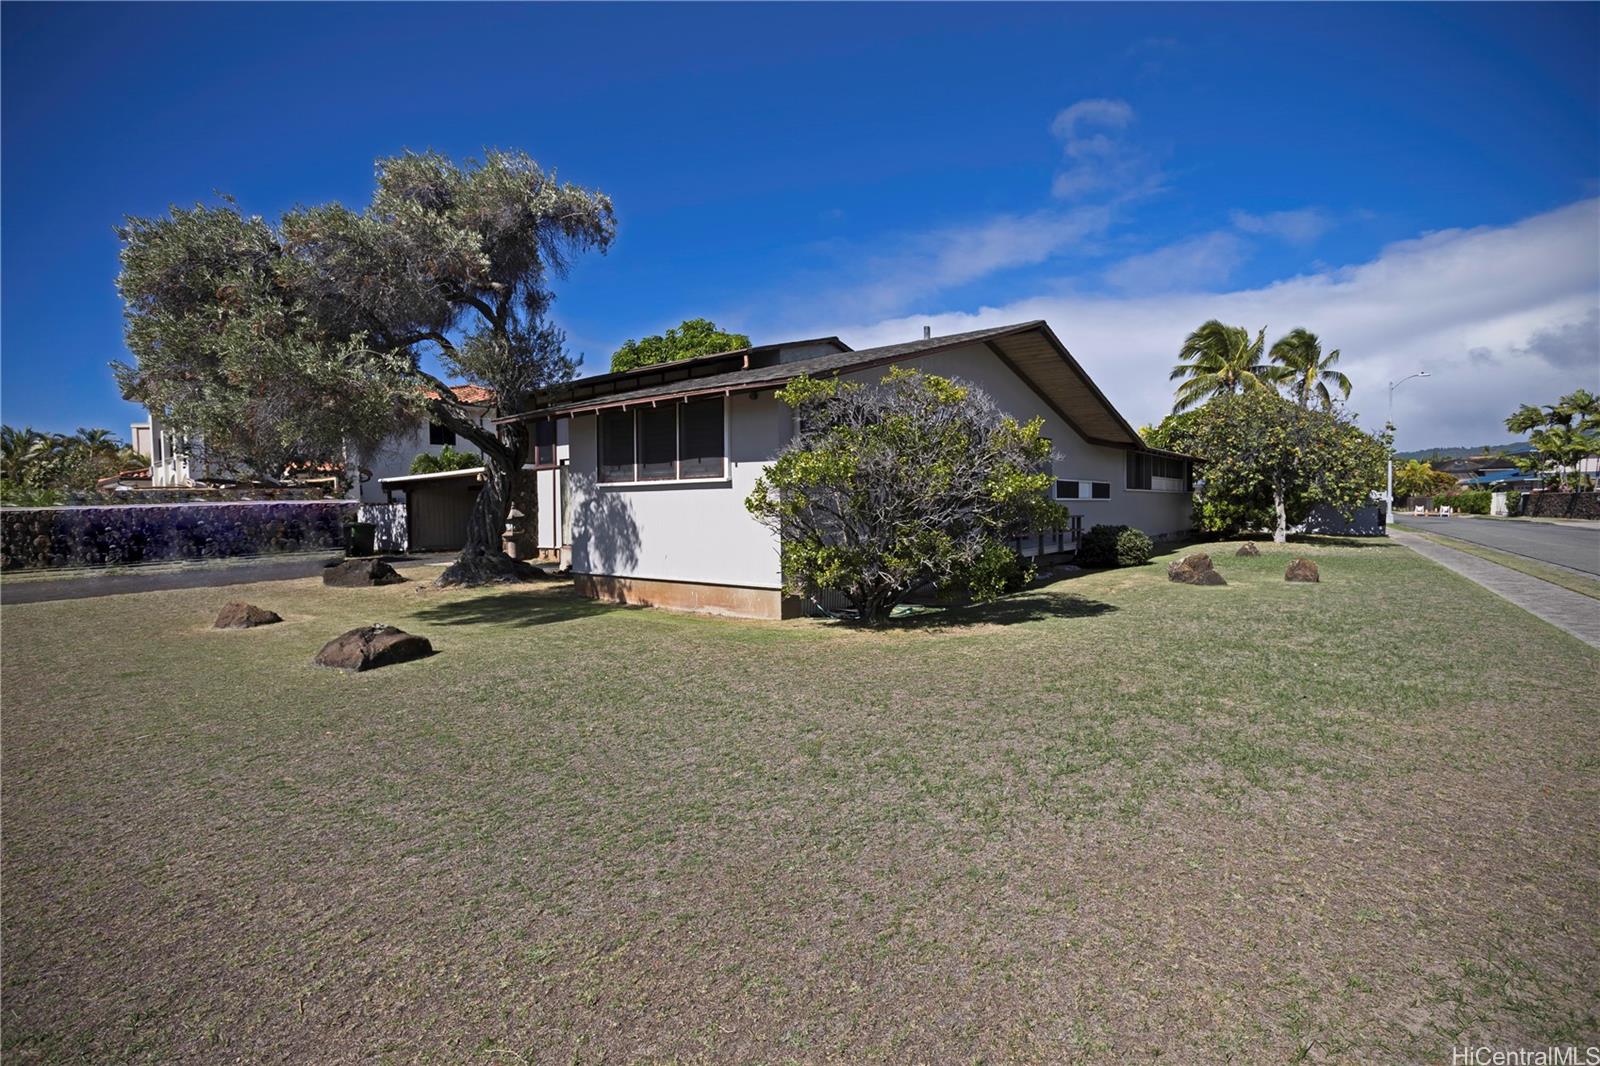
49 537
1561 504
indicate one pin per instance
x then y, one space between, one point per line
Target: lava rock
360 573
244 616
1302 570
370 647
1248 548
1194 570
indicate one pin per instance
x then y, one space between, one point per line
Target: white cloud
1297 227
895 270
1497 315
1098 158
1196 262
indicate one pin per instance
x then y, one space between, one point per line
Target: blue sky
1416 183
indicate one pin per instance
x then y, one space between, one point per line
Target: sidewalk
1575 613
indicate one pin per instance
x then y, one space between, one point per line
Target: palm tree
1556 441
98 441
1220 360
1306 370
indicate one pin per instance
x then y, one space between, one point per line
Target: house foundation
734 601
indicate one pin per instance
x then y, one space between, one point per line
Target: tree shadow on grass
1025 606
536 607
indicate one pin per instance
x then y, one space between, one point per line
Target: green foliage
1267 461
1414 478
447 459
39 469
914 481
1513 502
1219 360
1562 434
1472 501
1106 545
1306 371
694 336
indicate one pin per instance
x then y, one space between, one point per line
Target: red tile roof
471 394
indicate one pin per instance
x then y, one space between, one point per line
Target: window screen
700 438
1100 490
1066 490
1138 470
658 427
616 446
438 434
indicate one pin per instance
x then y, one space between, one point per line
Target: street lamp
1388 502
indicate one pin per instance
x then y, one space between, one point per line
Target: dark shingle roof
779 373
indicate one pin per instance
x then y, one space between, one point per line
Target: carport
437 506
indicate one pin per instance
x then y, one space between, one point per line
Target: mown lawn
1115 819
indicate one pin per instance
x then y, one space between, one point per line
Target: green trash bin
360 538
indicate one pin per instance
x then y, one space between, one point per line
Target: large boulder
1194 569
1302 570
244 616
1248 548
370 647
360 573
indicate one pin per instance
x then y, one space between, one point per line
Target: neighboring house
662 458
171 465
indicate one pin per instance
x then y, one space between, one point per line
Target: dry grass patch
1110 819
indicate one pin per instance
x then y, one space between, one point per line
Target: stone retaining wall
39 538
1561 504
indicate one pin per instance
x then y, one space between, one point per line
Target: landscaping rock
360 573
370 647
244 616
1248 548
1194 570
1302 570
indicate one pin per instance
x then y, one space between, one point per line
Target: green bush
1473 501
1115 546
447 459
1513 502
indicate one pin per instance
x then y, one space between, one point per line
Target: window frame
436 430
1185 467
533 462
1082 497
635 482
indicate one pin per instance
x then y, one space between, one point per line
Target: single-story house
661 459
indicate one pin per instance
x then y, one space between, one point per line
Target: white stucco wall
394 458
674 531
1160 514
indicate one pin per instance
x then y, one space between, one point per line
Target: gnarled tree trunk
483 559
1280 529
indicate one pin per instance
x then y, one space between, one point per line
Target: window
438 434
542 444
700 439
616 446
672 442
1083 490
1162 473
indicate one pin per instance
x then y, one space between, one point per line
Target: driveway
1570 545
160 578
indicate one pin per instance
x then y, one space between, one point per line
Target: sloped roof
1030 349
475 395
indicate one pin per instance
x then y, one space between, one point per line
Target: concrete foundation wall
731 600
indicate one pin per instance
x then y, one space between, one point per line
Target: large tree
302 339
1220 360
1306 370
1268 461
691 337
914 481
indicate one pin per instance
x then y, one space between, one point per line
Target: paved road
193 576
1569 545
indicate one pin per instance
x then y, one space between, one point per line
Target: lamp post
1388 501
